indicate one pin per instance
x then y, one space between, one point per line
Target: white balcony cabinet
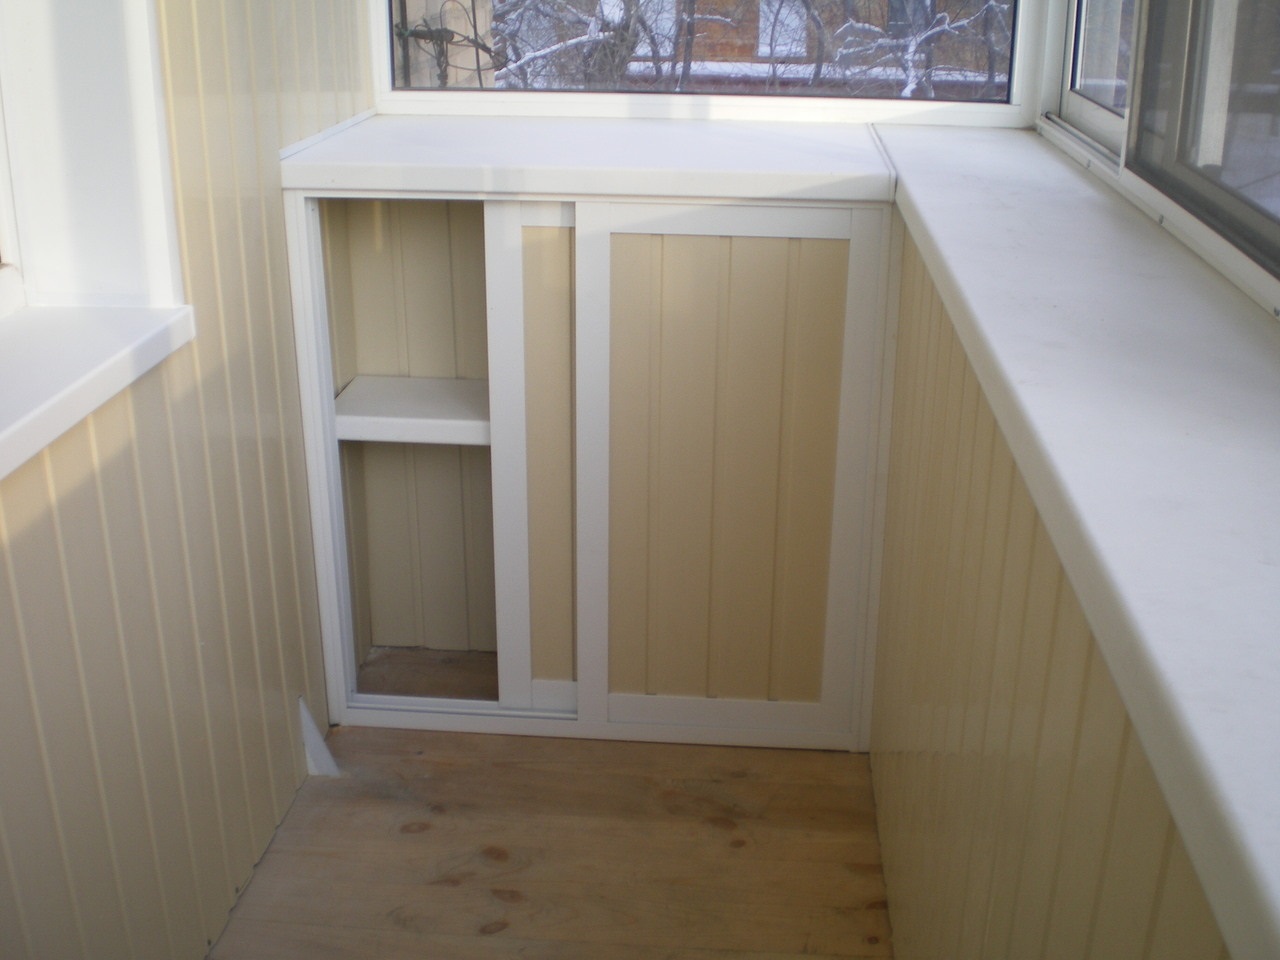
667 338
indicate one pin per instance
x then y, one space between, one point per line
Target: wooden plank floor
419 672
464 846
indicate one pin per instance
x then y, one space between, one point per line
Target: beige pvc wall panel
157 608
406 288
725 382
1018 814
406 298
548 306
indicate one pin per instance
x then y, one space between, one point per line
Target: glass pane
1102 53
1233 127
927 49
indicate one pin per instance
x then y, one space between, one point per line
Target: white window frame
1021 111
12 294
1104 127
1083 146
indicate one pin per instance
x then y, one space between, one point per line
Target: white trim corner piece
320 762
315 385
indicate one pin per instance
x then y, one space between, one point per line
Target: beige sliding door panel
548 324
719 351
726 380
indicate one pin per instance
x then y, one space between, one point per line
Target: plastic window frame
12 292
1104 128
1024 105
1214 246
1253 231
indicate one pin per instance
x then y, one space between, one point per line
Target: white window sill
1140 394
59 364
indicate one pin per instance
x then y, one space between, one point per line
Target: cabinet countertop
563 159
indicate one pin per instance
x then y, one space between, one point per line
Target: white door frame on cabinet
839 715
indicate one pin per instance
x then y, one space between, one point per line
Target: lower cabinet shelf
414 410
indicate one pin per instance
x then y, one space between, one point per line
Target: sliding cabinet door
726 395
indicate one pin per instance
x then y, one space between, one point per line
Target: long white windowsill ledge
1140 394
59 364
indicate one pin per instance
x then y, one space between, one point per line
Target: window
1207 130
1100 72
1185 95
924 49
1096 89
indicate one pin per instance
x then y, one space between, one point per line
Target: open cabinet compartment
405 286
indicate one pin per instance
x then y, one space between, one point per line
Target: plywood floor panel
421 672
471 846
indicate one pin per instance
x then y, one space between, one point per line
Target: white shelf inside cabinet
414 410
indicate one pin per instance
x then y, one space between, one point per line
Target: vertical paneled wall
1018 814
406 291
724 393
157 612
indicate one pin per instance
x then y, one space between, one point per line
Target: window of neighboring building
783 30
926 49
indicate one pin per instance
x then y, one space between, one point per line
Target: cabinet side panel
357 519
338 292
548 319
466 279
1018 814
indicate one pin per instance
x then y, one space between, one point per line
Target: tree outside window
928 49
